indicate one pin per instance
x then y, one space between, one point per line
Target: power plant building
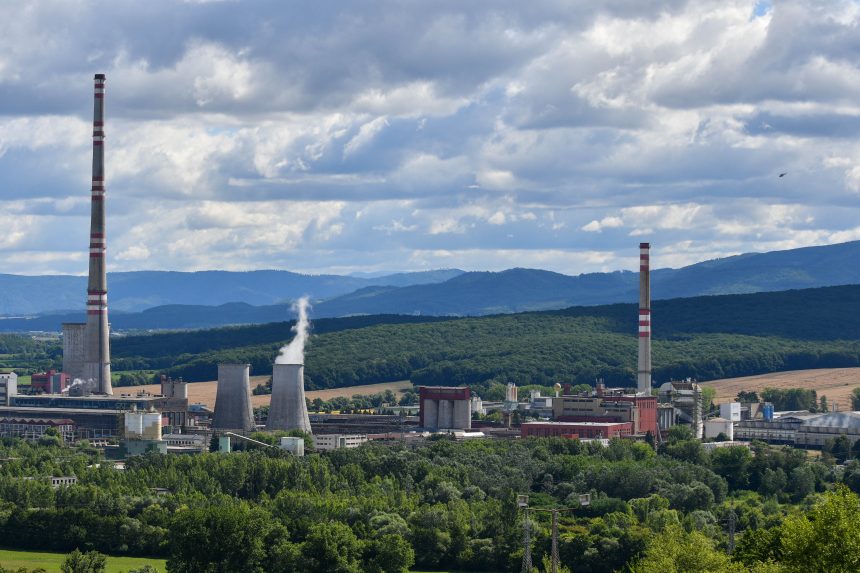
685 401
639 413
86 347
444 408
233 409
95 416
288 409
50 382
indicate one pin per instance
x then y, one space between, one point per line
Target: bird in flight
783 174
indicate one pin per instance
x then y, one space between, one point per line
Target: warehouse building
581 430
34 428
814 432
801 429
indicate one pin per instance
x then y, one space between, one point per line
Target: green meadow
51 562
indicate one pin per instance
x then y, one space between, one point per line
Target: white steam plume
294 352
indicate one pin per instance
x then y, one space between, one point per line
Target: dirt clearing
204 392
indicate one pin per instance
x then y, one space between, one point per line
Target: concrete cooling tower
288 410
233 410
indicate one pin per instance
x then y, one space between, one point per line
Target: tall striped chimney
97 351
643 379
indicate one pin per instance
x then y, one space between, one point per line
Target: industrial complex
79 402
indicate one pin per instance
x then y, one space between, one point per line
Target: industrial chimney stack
97 344
643 379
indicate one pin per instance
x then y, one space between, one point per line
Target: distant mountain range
215 298
519 290
137 291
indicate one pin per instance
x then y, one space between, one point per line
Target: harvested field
835 383
204 392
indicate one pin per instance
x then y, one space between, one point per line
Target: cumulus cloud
596 226
351 136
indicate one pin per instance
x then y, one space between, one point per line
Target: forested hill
704 337
518 290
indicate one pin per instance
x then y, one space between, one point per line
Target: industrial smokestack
288 410
233 409
643 379
97 345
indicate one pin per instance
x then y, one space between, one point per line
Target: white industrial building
8 387
716 426
338 441
731 411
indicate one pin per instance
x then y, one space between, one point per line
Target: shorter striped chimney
643 378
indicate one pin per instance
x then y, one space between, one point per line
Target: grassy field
204 392
51 562
835 383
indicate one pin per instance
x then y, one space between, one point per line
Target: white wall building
731 411
8 387
716 426
337 441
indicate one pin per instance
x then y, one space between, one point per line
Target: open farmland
835 383
51 562
204 392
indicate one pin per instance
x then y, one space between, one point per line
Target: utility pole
527 542
523 502
554 556
732 519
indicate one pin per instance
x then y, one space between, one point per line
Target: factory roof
834 420
51 421
13 410
591 424
118 397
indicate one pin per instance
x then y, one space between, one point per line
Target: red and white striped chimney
643 378
97 349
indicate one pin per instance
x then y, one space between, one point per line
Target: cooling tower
96 364
643 379
233 410
288 410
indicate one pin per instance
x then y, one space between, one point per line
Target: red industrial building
50 382
610 407
582 430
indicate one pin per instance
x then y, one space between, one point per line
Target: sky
395 135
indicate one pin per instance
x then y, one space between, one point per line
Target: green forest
27 355
574 346
444 505
704 338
